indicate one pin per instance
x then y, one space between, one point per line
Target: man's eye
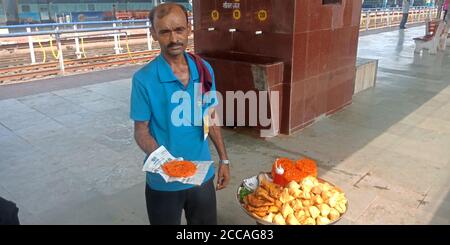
164 32
180 30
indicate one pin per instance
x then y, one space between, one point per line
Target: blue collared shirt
175 114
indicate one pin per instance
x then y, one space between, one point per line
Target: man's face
172 32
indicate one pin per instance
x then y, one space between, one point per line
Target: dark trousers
198 203
445 14
9 213
404 20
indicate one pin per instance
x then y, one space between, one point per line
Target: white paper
162 155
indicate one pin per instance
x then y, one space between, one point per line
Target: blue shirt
175 114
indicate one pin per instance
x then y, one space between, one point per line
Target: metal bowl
259 221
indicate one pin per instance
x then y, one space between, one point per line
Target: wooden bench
431 26
432 40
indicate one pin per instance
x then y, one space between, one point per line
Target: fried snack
317 189
307 203
307 214
259 214
317 199
293 185
273 189
286 197
309 221
274 209
342 199
334 214
305 195
341 208
264 194
308 183
286 210
278 204
326 187
314 211
300 215
257 201
253 209
180 169
297 205
332 201
291 220
322 220
296 193
269 217
324 209
279 219
326 195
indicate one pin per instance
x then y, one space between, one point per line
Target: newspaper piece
162 155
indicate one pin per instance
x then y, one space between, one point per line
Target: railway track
25 73
7 61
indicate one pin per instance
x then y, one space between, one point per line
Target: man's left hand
223 176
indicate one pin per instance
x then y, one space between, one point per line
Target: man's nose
173 37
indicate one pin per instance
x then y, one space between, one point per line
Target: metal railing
370 19
59 31
61 25
381 18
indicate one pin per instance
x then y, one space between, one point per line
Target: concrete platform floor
67 156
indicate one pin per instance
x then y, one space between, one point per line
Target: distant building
42 11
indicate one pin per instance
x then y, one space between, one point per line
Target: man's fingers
223 177
226 181
221 182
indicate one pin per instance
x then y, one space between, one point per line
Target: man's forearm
147 143
144 139
216 137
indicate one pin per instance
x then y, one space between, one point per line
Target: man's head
170 27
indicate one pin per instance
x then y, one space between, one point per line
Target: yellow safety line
44 54
82 47
53 51
128 48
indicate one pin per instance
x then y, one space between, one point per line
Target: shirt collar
165 71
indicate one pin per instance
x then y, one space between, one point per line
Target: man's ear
153 33
189 27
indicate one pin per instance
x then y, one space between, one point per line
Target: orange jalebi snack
307 166
294 174
294 171
284 163
179 169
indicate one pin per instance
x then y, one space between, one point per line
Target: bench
432 40
431 26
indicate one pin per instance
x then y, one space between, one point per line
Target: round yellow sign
215 15
236 14
262 15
